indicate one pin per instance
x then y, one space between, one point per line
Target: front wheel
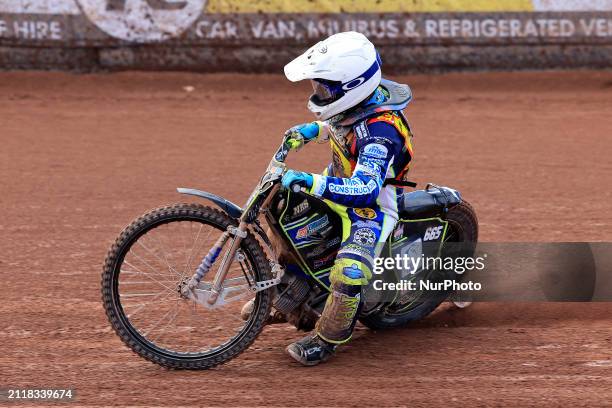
144 272
462 228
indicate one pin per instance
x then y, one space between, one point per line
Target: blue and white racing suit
371 151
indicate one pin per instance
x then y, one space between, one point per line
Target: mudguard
434 201
230 208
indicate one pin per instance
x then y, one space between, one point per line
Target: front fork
209 296
239 234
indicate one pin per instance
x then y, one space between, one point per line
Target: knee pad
350 272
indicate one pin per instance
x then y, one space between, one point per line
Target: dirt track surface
82 156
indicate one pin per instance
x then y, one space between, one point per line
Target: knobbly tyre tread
464 214
217 218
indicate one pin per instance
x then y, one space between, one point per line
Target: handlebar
282 152
280 156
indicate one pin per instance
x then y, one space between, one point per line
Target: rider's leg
363 237
369 229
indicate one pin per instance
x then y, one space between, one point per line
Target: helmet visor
325 92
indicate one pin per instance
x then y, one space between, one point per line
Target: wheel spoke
146 332
188 265
163 251
158 257
152 301
172 319
139 294
147 275
154 270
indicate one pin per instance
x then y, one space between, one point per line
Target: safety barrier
260 35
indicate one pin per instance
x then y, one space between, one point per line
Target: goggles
326 92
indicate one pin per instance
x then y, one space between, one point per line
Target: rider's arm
362 188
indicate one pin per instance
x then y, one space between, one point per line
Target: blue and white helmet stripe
369 73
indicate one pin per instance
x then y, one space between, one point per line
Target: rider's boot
333 328
311 350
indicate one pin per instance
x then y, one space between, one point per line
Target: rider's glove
292 177
299 135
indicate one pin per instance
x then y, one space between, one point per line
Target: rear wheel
144 272
462 228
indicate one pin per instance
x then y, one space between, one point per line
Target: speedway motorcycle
189 286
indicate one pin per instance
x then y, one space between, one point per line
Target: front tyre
142 278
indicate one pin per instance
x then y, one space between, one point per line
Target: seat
427 203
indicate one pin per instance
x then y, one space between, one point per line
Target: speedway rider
361 115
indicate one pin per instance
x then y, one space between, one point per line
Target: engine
292 296
293 302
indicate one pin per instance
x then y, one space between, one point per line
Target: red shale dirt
82 155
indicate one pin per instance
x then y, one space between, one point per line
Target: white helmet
344 69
